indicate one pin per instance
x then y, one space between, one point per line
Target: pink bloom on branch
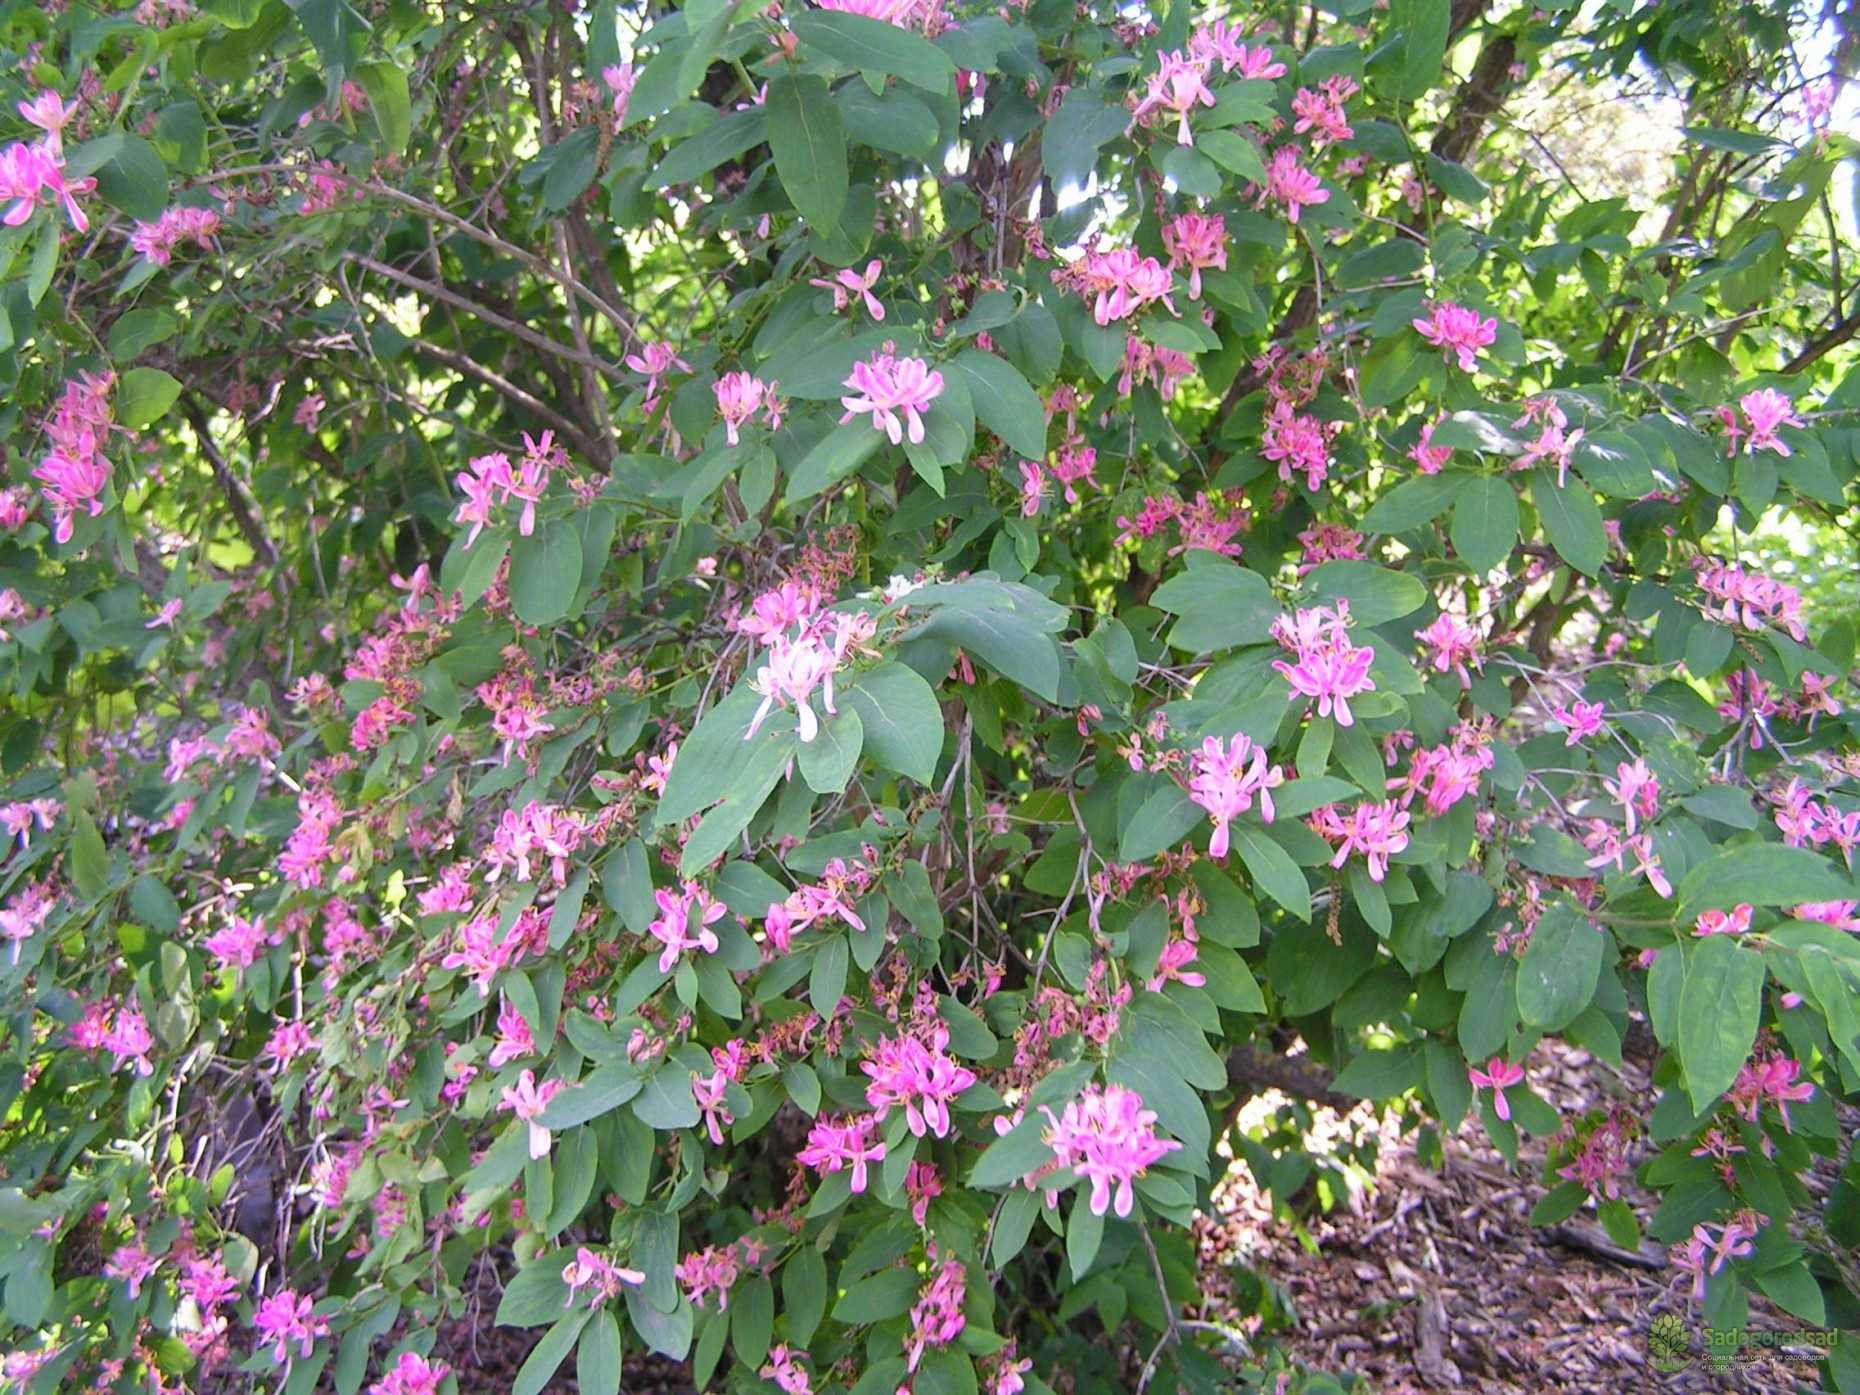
785 1369
833 1146
1377 830
885 386
527 1100
49 113
1108 1138
794 668
1178 86
1197 241
684 922
1498 1076
1580 720
849 285
620 79
1455 644
598 1274
1321 112
289 1322
739 397
1732 922
1457 332
1291 184
412 1374
1767 411
1225 779
1221 41
1427 456
918 1076
1032 488
1328 667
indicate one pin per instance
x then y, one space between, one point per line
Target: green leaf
1236 153
133 178
1485 522
1221 605
607 1088
877 1297
1007 638
1764 874
700 154
1561 967
1004 402
1164 818
145 396
873 46
826 981
1070 142
1719 1006
1572 521
752 1320
1420 27
804 1293
827 761
388 102
138 330
545 572
666 1102
841 451
900 722
548 1354
1375 594
809 143
597 1357
533 1297
1084 1235
1413 502
1381 1075
1272 869
572 162
1016 1153
894 120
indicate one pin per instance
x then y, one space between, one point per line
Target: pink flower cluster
527 1100
1769 1078
1118 281
157 241
1177 87
31 173
937 1318
1320 111
1554 445
853 287
1327 667
74 473
885 386
1224 780
491 483
841 884
1108 1138
1291 184
1376 830
1197 241
739 397
1498 1076
837 1144
1749 599
707 1271
914 1072
684 922
412 1374
798 663
1732 1242
1454 645
1457 332
1808 822
599 1275
1766 411
288 1321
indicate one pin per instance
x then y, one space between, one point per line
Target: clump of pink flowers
598 1274
74 472
1291 184
886 386
1177 87
1766 411
1326 666
288 1321
915 1072
1226 778
1377 830
1109 1139
836 1145
739 397
1750 599
492 482
157 241
684 922
1457 332
1197 241
1118 281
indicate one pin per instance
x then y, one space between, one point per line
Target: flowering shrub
709 679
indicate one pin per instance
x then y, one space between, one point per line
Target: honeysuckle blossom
157 241
794 668
886 386
739 397
51 115
1733 1241
1429 458
902 13
1032 488
684 922
1457 332
1498 1076
527 1100
1732 922
1326 667
849 286
1291 184
937 1318
620 78
785 1369
1455 644
132 1265
1226 778
914 1072
1072 464
1298 443
1120 282
1766 411
1636 789
1177 87
704 1272
29 173
288 1321
1580 720
1197 241
411 1374
1320 111
598 1274
833 1145
1770 1077
1842 915
1377 830
492 482
655 361
1222 43
1109 1139
1745 598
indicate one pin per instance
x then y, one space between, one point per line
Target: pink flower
655 361
1457 331
917 1075
1767 411
411 1374
1455 644
1032 488
1769 1078
1580 720
1430 458
739 397
1328 667
1121 282
239 945
157 241
514 1040
1196 241
902 13
1840 914
1321 112
785 1369
1300 443
885 385
922 1186
1178 86
1636 789
1731 922
1222 42
1291 184
598 1274
847 1143
1225 780
49 113
133 1265
1075 463
707 1271
684 923
849 285
1377 830
288 1319
1498 1076
1108 1138
527 1101
620 79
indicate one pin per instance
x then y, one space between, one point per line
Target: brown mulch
1427 1281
